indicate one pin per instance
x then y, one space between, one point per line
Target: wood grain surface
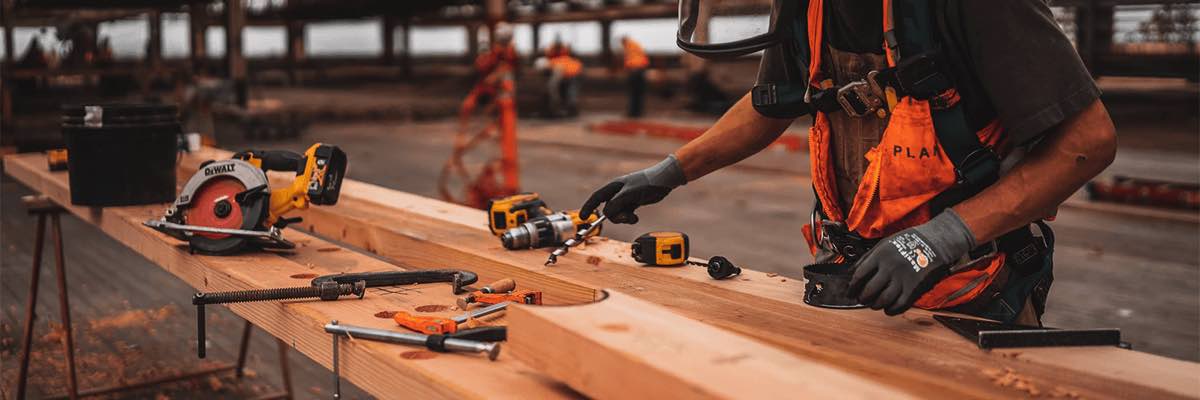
911 352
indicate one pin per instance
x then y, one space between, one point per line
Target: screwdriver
572 242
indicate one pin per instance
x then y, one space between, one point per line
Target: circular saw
228 205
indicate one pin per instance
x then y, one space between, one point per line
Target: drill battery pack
509 212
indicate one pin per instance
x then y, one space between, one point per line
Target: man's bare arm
740 133
1074 153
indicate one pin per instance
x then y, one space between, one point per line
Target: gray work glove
625 194
902 267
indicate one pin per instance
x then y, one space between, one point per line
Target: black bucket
827 285
121 154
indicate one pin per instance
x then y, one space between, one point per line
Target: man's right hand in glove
625 194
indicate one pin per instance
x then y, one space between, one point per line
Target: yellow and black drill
546 231
509 212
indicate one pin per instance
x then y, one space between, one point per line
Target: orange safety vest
635 57
569 66
905 171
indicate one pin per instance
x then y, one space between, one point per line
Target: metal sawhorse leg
44 208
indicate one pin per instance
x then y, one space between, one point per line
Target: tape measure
661 248
57 159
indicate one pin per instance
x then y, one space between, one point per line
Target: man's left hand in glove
902 267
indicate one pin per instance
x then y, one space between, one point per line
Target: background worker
562 85
636 63
897 203
496 69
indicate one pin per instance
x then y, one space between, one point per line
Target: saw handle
274 160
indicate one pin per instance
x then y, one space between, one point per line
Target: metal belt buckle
857 99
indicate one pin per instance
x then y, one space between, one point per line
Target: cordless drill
546 231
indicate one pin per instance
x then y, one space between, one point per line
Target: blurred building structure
1162 44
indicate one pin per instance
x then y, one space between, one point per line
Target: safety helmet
503 32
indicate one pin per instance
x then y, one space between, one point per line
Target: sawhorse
44 208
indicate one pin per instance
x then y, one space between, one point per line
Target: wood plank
622 347
381 369
910 351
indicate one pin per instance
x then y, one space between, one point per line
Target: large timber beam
911 352
625 348
386 371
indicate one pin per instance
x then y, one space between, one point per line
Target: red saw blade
205 205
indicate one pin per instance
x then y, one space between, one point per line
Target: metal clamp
858 99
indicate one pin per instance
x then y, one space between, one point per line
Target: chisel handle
501 286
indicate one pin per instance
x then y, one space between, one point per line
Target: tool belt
918 76
1026 277
1026 273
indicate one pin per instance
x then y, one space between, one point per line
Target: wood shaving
772 274
1009 378
1060 392
329 249
133 318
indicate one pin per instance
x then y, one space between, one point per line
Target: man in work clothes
941 131
636 63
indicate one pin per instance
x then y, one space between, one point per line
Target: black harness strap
975 166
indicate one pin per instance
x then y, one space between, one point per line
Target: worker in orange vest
636 63
497 67
941 141
563 81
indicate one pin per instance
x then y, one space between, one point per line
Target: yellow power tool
547 230
228 205
661 248
509 212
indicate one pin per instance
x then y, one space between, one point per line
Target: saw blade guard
228 194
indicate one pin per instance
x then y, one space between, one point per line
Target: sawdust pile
133 318
1009 378
119 349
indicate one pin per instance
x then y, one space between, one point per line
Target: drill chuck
550 230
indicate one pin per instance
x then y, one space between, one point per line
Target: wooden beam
625 348
537 38
198 34
406 51
6 8
235 60
473 41
389 40
912 352
385 371
606 51
154 42
295 48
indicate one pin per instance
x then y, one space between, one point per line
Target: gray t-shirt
1027 70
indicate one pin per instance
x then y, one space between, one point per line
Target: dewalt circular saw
228 205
